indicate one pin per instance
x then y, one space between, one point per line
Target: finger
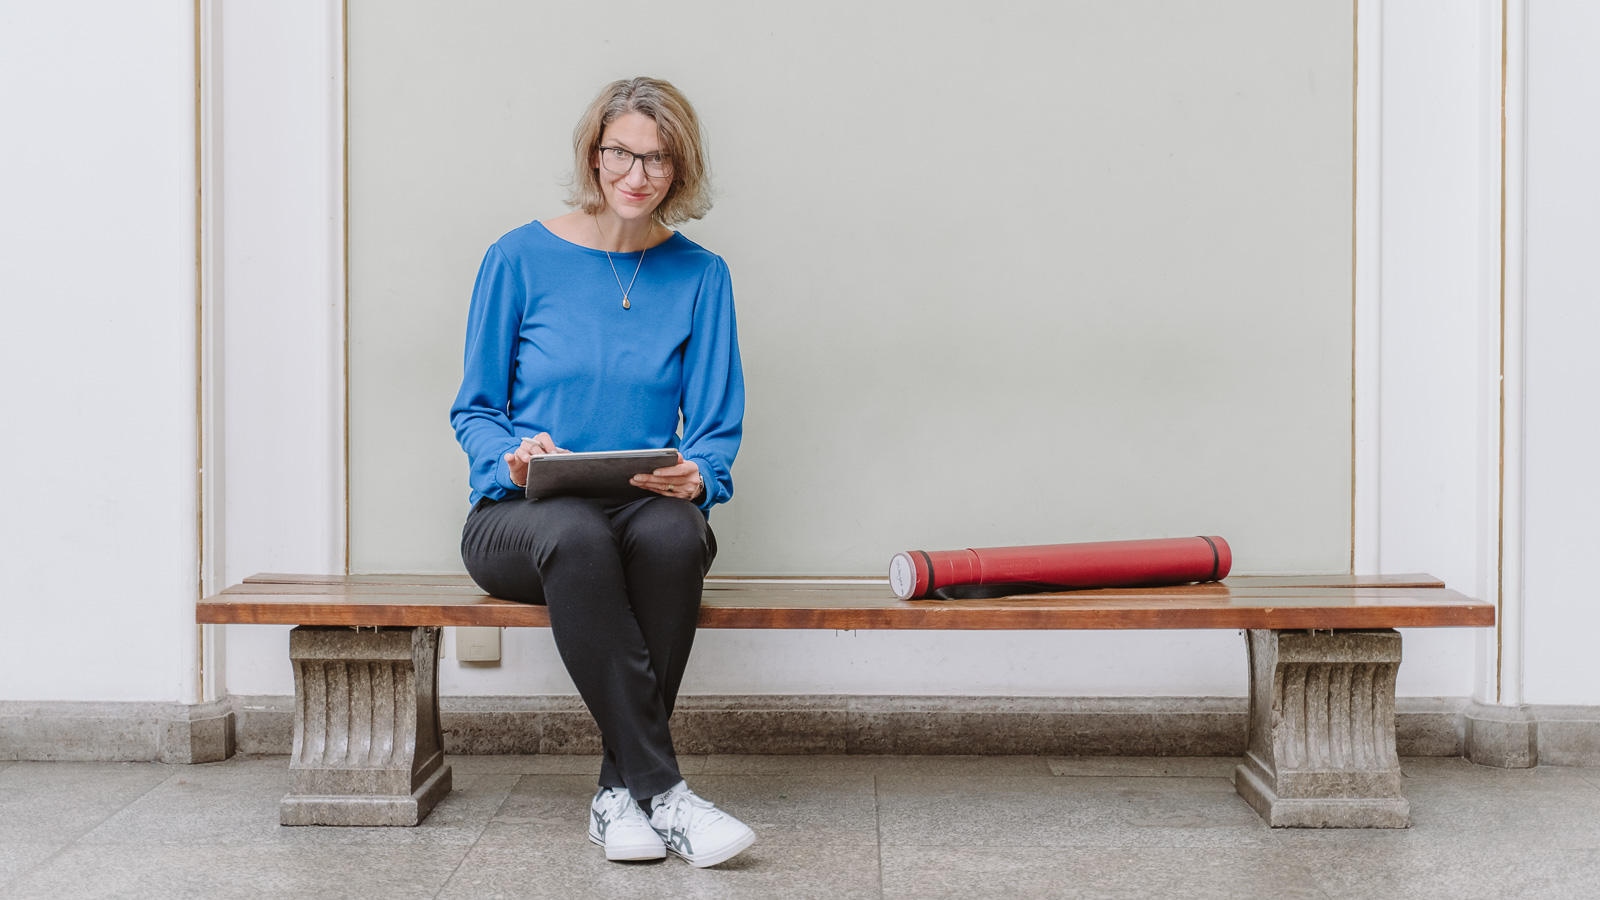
545 442
678 490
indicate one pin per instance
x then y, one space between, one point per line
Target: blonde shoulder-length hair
689 195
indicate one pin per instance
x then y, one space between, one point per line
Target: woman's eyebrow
635 152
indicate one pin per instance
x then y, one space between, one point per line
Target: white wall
280 295
97 351
1431 414
1562 286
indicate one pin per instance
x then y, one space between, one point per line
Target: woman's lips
637 198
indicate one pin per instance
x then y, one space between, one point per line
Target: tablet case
598 477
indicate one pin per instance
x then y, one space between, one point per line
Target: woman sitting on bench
594 331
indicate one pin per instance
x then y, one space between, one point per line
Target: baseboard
1567 735
804 724
1430 726
824 723
1519 737
178 733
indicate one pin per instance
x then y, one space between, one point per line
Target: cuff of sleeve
708 485
502 472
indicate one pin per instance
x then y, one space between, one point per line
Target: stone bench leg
367 744
1322 751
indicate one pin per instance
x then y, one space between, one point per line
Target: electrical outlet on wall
477 645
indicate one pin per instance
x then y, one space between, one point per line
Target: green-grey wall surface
1009 272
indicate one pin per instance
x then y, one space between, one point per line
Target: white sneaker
695 830
618 824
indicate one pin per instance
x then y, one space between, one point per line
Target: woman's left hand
682 480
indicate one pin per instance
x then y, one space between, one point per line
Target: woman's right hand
540 444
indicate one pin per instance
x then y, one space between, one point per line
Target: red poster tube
1104 564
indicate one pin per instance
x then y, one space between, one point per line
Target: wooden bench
1323 655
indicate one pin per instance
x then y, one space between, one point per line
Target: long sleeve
713 387
479 415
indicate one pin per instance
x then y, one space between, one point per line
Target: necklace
629 288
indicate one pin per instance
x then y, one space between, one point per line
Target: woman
595 330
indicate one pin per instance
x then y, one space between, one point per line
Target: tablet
599 474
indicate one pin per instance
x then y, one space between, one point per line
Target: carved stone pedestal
367 744
1322 752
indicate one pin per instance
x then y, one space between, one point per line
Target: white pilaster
1365 538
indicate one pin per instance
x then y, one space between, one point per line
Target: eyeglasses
620 162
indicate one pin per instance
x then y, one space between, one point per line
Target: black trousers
623 584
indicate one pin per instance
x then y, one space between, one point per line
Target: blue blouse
550 348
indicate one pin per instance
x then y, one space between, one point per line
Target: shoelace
682 806
617 803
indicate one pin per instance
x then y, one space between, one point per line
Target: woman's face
635 194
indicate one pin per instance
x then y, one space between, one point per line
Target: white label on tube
902 576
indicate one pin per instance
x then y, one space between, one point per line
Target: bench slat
777 606
770 594
1411 580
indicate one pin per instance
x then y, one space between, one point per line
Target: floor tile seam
335 836
1503 837
924 776
466 852
1315 884
488 820
768 839
865 774
1293 857
113 814
1227 778
877 823
1141 848
5 886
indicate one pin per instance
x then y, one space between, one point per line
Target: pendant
625 302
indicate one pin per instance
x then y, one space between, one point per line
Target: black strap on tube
928 560
1216 561
991 591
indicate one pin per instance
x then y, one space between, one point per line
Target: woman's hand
540 444
682 480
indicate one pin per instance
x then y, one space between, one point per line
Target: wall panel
1011 272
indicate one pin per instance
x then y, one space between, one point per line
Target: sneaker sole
628 854
702 860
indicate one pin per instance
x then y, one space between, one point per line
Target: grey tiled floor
829 826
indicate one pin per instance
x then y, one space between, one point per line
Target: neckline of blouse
615 254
